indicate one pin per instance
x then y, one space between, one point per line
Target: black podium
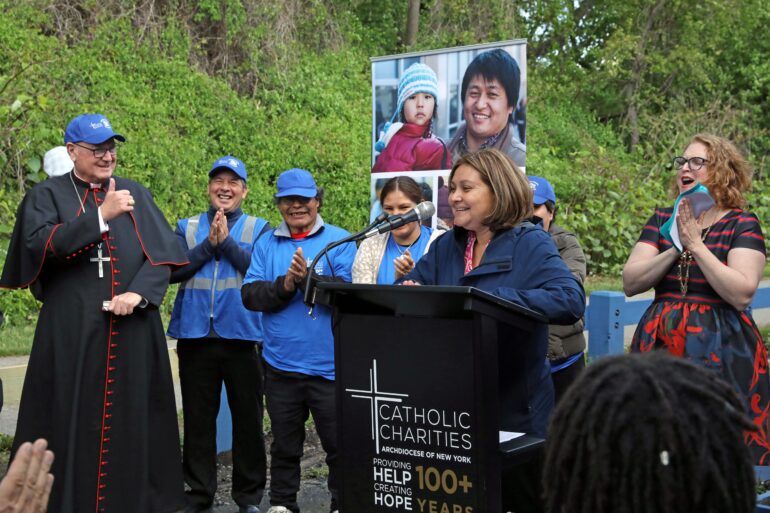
419 399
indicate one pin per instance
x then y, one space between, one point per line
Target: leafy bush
603 195
178 121
614 91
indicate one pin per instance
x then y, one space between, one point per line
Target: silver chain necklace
398 246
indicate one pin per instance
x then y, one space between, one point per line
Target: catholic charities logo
394 423
376 398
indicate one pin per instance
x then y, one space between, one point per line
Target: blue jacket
523 266
211 298
294 341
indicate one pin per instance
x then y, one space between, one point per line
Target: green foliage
16 339
599 187
615 90
178 121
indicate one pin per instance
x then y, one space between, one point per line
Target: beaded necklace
685 261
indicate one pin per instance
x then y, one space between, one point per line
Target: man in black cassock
97 251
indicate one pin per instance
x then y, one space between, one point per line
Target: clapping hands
297 271
403 264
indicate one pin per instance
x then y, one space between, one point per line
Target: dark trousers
290 399
564 378
204 364
522 486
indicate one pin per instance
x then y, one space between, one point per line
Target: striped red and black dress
705 329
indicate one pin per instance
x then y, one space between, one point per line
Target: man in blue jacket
298 349
218 341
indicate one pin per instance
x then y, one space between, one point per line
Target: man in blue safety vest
218 342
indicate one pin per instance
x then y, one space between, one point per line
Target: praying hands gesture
218 231
689 228
296 272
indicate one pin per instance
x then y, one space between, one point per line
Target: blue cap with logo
541 190
296 182
231 163
90 128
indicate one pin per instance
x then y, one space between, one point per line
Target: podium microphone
421 212
309 296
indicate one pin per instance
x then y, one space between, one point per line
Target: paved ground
313 498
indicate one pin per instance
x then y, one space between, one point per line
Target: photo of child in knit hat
407 142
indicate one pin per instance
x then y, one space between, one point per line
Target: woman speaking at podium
494 247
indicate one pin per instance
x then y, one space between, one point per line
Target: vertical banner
430 108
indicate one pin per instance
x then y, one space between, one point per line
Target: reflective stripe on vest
192 227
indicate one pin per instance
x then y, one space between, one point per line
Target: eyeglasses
99 153
290 200
695 163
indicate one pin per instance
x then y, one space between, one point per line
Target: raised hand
27 485
116 202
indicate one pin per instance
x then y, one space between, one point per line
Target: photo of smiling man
490 94
218 341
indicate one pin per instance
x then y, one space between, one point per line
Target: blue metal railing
608 314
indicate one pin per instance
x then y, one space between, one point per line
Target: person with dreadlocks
648 433
704 257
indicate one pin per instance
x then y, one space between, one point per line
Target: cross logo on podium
375 397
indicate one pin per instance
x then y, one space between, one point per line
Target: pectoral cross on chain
99 259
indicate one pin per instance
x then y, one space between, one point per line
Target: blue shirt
393 250
294 341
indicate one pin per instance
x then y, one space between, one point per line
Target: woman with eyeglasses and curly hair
703 291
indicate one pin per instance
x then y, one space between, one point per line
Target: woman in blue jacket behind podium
494 247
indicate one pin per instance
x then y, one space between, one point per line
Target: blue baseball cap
90 128
541 190
296 182
231 163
